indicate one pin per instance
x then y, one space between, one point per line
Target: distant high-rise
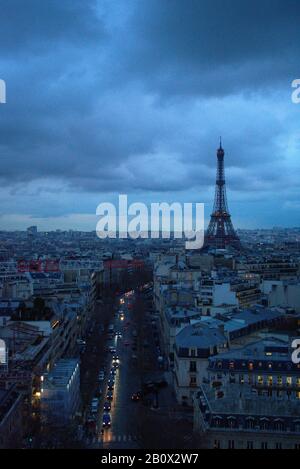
220 232
32 230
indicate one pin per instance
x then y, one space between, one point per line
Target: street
133 423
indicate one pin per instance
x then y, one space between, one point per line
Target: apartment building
232 416
193 346
60 393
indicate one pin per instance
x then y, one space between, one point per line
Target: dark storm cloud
33 26
132 95
214 47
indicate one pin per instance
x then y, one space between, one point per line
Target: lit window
270 380
260 380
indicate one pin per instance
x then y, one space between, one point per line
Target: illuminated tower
220 232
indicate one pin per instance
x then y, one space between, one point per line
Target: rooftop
62 373
200 335
240 400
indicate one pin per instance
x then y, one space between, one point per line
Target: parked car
136 396
94 405
162 383
148 387
106 420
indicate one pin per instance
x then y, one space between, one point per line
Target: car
162 383
94 405
106 420
106 406
111 386
136 396
81 342
116 358
101 375
113 371
149 387
109 395
115 365
112 349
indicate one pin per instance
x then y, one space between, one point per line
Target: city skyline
149 228
126 98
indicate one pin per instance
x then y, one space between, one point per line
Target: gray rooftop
200 336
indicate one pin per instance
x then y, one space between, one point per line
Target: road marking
123 438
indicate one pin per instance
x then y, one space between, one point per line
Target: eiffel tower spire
220 232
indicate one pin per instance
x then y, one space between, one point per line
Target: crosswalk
113 441
112 438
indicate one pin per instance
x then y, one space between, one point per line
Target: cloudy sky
130 96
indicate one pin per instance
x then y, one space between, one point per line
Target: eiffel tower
220 232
